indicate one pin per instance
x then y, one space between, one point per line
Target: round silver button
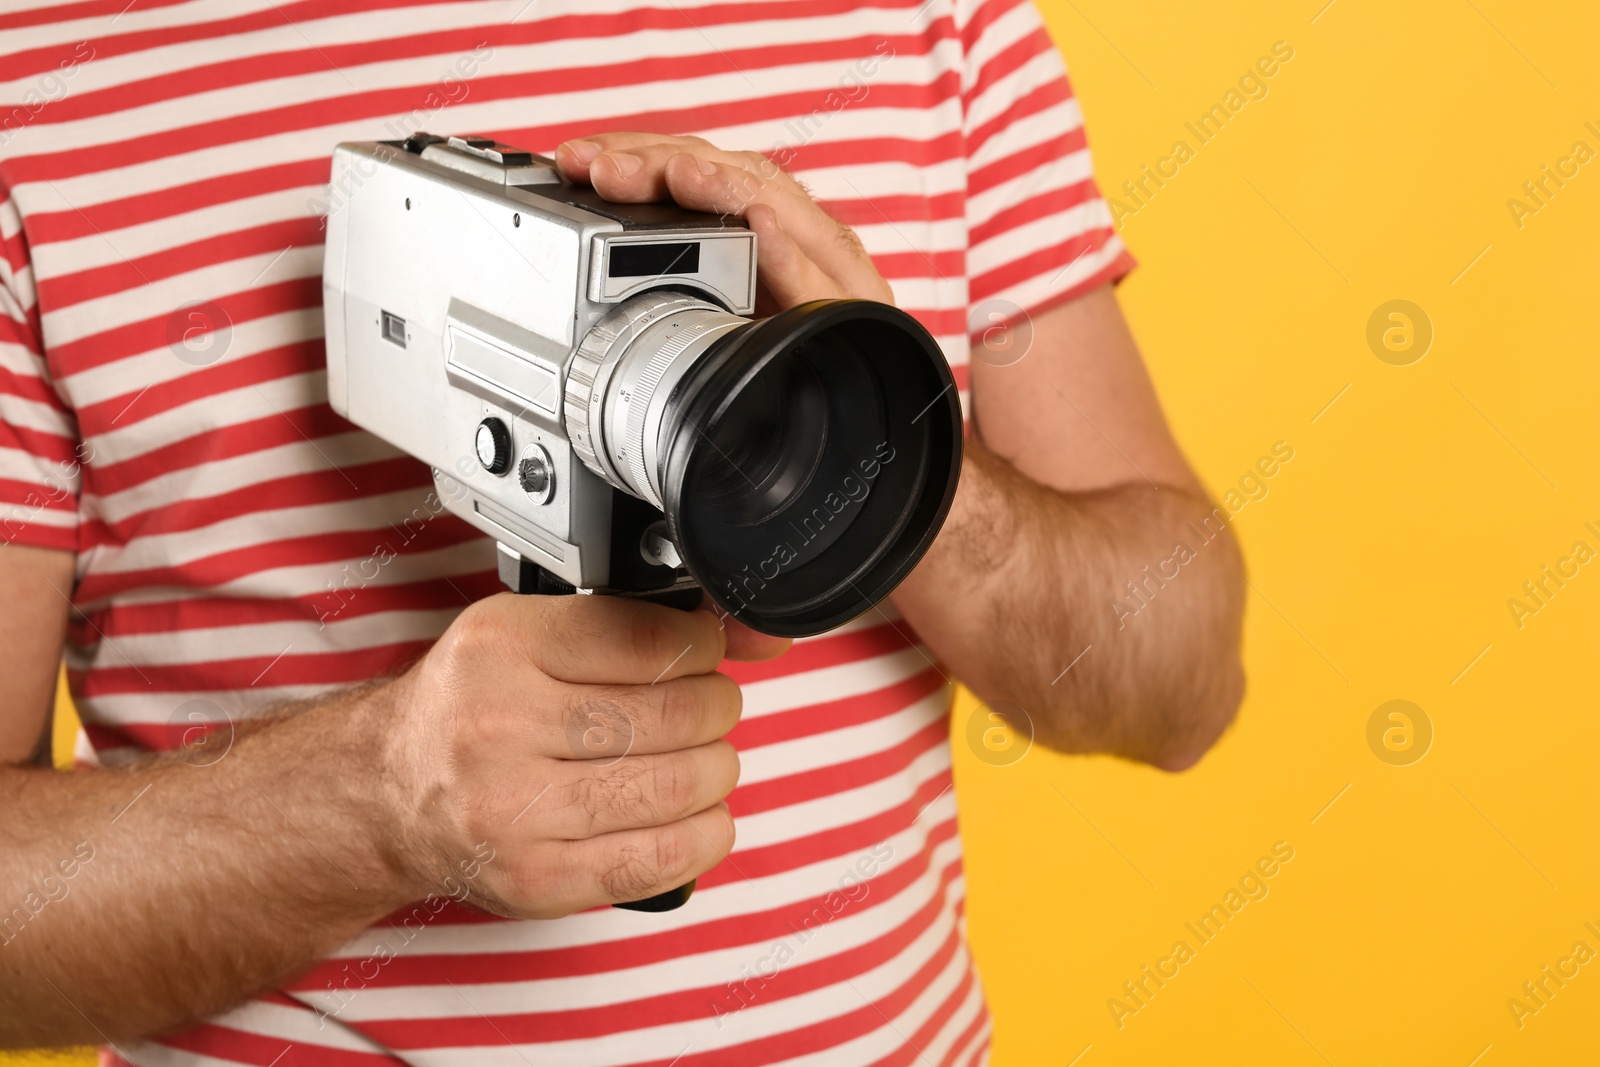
537 473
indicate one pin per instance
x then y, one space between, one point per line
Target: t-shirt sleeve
1039 232
39 470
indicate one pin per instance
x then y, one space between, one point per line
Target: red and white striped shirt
162 170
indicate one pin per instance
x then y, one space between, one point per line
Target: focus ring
582 373
594 365
644 392
580 379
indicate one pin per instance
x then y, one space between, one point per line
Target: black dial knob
494 446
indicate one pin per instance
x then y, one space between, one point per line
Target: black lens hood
915 409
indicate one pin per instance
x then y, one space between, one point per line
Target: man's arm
38 579
1082 574
1071 488
135 900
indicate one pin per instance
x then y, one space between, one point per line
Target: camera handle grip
542 583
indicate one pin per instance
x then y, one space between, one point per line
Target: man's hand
1072 487
548 754
803 253
580 737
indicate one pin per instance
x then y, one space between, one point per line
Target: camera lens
804 462
619 380
772 442
808 461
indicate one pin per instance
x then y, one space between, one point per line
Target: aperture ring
640 444
592 366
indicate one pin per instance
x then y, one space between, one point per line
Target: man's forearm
140 899
1111 617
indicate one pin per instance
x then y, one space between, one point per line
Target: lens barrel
804 462
625 369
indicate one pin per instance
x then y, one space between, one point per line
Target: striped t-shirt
162 387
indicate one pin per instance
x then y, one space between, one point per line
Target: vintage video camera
587 385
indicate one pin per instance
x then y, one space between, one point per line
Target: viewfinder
644 260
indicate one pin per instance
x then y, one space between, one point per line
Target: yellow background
1381 560
1378 167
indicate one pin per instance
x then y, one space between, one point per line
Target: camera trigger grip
521 575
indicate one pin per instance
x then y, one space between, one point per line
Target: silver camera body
587 383
496 322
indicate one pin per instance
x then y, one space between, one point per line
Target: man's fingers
747 644
707 179
637 173
616 640
641 791
643 168
739 185
634 864
574 157
610 722
786 273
